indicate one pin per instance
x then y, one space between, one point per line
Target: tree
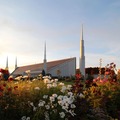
43 72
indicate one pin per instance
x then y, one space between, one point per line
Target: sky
25 26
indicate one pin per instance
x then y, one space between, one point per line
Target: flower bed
49 99
36 100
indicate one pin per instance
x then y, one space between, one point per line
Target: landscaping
51 99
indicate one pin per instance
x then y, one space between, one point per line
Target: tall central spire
82 56
45 61
82 33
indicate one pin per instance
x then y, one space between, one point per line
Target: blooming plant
48 99
110 71
77 86
105 92
55 106
36 100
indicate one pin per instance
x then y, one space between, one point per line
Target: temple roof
39 66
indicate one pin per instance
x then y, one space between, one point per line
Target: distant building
95 71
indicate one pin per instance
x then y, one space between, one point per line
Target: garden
22 98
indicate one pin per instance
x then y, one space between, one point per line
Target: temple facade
63 67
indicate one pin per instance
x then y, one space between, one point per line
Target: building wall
66 69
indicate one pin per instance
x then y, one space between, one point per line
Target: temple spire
82 56
7 63
15 62
45 51
45 61
82 33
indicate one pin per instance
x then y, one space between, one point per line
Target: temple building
63 67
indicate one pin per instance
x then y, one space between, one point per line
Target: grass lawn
70 82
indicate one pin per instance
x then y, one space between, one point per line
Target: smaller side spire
45 51
7 63
15 62
45 61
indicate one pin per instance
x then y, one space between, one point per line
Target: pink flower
107 73
94 80
103 81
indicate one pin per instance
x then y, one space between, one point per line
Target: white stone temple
65 67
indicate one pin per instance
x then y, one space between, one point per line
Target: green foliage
27 99
105 96
23 98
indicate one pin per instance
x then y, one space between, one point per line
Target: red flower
78 76
1 94
9 89
1 70
4 85
15 87
10 79
1 88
